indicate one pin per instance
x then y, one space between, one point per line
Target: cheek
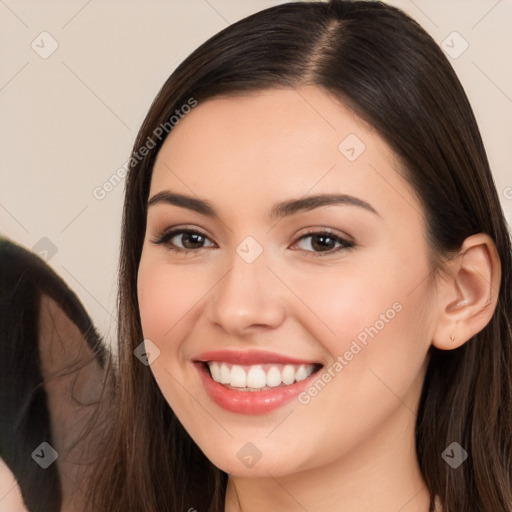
379 310
381 323
165 296
340 305
156 301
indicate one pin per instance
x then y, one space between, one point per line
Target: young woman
315 280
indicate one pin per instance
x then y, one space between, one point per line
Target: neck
379 475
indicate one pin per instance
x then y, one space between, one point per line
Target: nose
248 298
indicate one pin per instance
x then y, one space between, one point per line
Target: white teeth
288 375
224 374
273 377
215 370
256 377
259 376
302 373
238 377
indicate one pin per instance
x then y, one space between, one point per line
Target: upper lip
249 357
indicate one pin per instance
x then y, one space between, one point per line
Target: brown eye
189 240
323 243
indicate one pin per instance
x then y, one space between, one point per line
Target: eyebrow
278 211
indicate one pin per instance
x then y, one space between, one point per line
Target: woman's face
269 292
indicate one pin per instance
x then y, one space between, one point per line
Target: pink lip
249 402
249 357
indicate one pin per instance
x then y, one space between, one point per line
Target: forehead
254 149
269 125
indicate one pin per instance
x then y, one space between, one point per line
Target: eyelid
325 230
346 242
171 232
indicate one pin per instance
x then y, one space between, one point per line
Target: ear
468 293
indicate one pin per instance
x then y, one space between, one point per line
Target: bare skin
350 448
10 493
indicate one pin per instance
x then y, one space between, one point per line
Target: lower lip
251 402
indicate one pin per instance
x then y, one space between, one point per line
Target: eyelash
165 237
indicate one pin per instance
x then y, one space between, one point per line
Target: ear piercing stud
452 338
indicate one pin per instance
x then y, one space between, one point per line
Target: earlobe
468 295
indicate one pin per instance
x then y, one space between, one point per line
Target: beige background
68 121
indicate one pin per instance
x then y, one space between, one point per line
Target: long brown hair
391 73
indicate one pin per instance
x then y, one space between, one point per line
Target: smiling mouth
258 377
